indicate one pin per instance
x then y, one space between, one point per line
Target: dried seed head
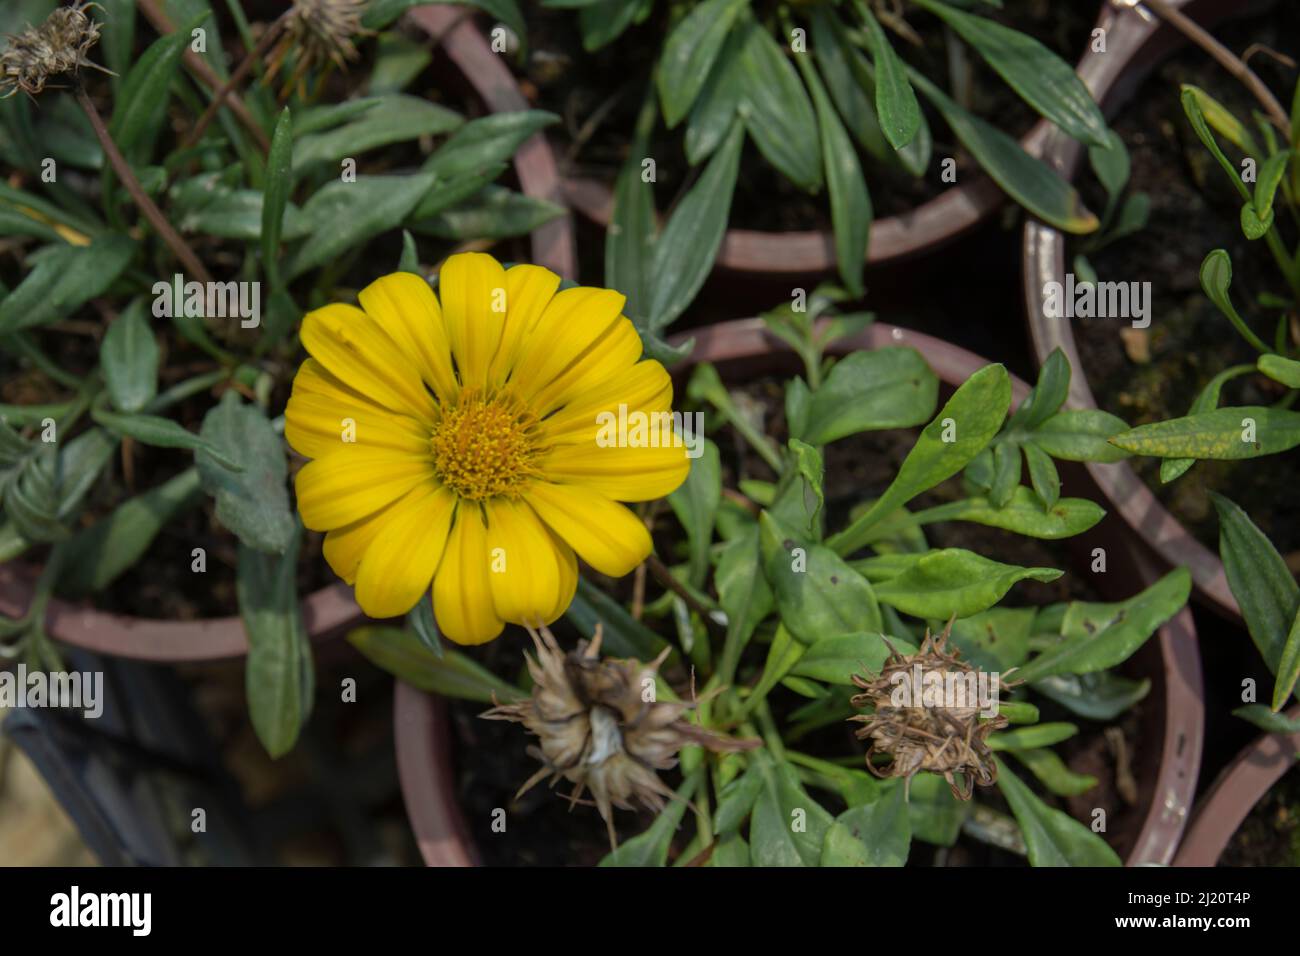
932 712
322 30
57 46
600 726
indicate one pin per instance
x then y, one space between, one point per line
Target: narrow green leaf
776 109
896 105
128 357
1224 434
696 504
454 674
161 433
275 197
689 54
1051 837
482 143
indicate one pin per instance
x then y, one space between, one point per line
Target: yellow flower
457 443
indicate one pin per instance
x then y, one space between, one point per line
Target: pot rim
328 611
1234 793
931 225
1043 260
421 734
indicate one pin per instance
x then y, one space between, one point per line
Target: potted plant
155 276
773 646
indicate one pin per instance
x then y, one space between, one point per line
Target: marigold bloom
454 443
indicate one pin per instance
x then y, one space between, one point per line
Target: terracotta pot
327 612
923 229
1172 662
1236 790
1043 254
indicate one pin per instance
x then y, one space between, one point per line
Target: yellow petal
345 547
646 387
325 416
462 594
475 302
355 349
608 359
398 566
572 322
343 488
624 474
528 566
528 290
405 307
606 535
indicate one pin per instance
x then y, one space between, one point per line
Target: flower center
483 448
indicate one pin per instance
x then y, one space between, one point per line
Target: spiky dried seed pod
57 46
600 726
323 30
930 713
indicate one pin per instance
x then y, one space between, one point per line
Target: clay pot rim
931 225
1043 260
326 611
1235 792
422 738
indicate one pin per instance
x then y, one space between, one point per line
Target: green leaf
651 847
684 252
715 108
342 215
835 659
1267 720
128 358
1006 474
695 503
159 432
1081 435
1216 280
279 676
1270 176
1288 667
689 54
98 555
625 636
409 261
424 625
867 391
1279 369
453 674
141 102
1051 837
240 214
970 419
1043 476
1111 164
953 581
275 198
1027 180
896 105
1225 434
1192 100
782 655
1253 225
1027 738
995 640
850 201
776 109
1040 77
737 800
788 827
1047 396
1260 580
482 143
380 13
841 66
1054 774
1100 696
253 502
1023 514
732 851
743 592
31 486
1098 636
809 468
63 277
817 593
494 212
875 834
936 815
604 21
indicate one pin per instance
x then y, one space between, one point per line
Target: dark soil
1270 835
1194 210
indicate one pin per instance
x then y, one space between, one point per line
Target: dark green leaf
128 358
689 54
874 834
454 674
776 108
1051 837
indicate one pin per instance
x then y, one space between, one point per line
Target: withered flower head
600 726
932 712
57 46
322 30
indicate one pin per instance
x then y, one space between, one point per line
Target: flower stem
122 168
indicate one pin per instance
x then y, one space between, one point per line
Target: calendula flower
456 443
933 712
58 46
600 726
